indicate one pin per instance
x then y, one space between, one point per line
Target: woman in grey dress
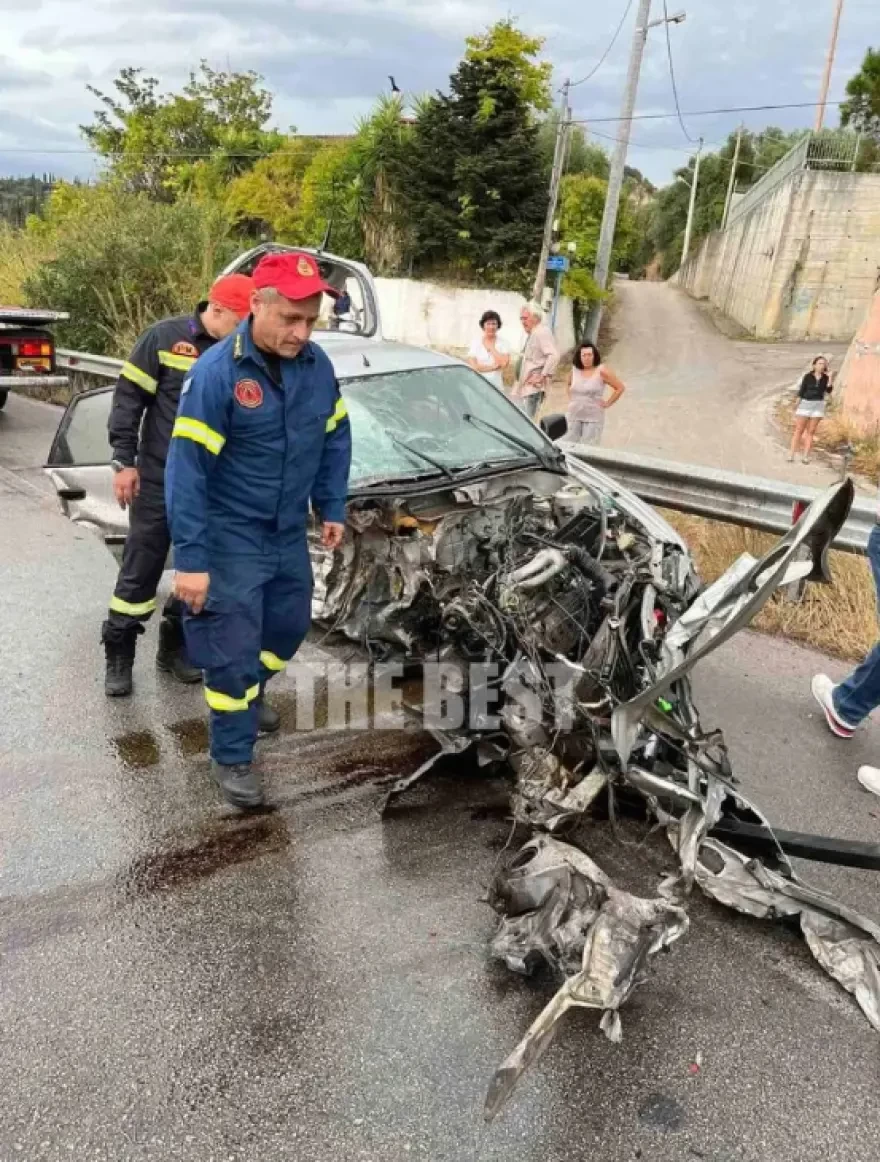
587 395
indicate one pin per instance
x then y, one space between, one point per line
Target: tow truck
27 349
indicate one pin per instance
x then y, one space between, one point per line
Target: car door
363 318
79 468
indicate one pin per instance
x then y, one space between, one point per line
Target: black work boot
120 662
171 654
239 785
268 720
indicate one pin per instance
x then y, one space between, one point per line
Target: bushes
118 261
20 257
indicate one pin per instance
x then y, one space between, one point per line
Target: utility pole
732 182
618 163
829 65
691 205
559 155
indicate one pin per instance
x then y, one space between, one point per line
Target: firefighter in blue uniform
261 435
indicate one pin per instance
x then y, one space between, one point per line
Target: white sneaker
823 691
869 777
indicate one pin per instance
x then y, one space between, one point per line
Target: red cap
233 291
294 275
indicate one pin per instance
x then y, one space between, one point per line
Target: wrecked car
476 542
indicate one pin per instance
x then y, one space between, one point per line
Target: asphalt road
697 396
313 983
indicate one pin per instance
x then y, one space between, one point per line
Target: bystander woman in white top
490 354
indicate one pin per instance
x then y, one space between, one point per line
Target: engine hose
590 567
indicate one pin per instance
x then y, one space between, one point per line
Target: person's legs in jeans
859 694
530 403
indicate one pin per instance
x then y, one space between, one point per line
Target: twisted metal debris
585 620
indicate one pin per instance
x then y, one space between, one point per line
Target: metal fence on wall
837 151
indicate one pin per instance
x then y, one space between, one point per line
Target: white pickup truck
27 349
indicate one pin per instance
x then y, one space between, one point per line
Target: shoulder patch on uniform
248 393
187 383
187 349
238 347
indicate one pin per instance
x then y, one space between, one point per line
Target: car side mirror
555 426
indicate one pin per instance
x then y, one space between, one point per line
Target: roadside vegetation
449 186
839 619
835 431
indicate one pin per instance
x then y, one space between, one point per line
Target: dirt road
696 396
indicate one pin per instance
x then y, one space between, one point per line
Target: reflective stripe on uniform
272 662
190 429
178 362
340 414
133 609
139 377
227 705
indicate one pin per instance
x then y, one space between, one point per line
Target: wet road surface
313 983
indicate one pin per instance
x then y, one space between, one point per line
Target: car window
424 409
82 437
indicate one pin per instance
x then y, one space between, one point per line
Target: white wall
429 314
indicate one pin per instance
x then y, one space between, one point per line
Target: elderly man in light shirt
540 359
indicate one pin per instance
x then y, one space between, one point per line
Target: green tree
477 189
861 110
165 144
267 199
759 152
382 156
119 261
581 205
583 156
328 201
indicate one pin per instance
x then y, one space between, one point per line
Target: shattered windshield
411 423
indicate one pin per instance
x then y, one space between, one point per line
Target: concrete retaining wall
802 265
431 315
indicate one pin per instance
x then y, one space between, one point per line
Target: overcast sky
326 60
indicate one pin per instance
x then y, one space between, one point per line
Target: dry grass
840 619
834 431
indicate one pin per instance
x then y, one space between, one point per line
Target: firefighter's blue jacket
248 455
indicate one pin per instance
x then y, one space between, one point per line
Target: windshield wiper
538 454
422 456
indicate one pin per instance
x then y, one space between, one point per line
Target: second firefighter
144 408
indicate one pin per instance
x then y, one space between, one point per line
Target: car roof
354 356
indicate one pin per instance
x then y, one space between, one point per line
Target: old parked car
475 539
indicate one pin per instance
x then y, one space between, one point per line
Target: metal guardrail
8 381
100 365
731 497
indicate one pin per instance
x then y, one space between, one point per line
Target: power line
704 112
672 72
638 144
604 56
588 121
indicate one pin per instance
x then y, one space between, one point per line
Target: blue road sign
558 262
